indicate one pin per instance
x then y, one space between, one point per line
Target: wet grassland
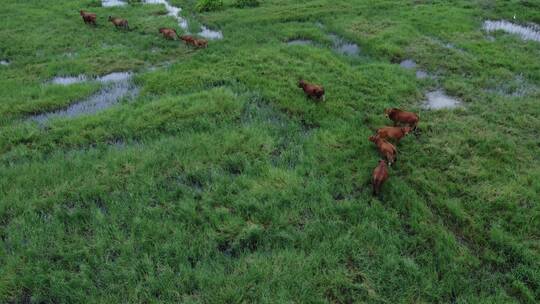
206 175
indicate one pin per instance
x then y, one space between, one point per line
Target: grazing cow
88 18
396 133
386 149
380 175
312 90
168 33
119 22
400 116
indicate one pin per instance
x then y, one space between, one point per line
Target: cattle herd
387 149
404 122
168 33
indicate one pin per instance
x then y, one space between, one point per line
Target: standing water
111 3
4 62
525 32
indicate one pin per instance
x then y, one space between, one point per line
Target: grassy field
221 183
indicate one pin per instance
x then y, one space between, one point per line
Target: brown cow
386 149
168 33
119 22
400 116
201 43
88 18
190 40
380 175
312 90
396 133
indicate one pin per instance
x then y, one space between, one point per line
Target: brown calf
380 175
119 22
88 18
400 116
168 33
386 149
396 133
312 90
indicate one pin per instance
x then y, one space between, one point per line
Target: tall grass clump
209 5
246 3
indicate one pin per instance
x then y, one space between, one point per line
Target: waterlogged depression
300 42
438 100
410 64
116 86
344 47
531 32
340 45
210 34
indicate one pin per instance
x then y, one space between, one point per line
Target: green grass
222 183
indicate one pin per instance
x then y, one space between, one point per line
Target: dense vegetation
222 183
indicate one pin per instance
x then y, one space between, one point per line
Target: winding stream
174 12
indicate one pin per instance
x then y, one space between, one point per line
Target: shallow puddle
117 86
410 64
344 47
531 32
421 74
111 3
437 100
300 42
174 11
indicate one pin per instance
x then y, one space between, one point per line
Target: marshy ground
210 178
